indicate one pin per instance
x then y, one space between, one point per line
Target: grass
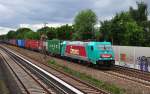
88 78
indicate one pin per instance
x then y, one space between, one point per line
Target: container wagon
21 43
34 45
27 44
54 46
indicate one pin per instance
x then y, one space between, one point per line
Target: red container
34 44
27 44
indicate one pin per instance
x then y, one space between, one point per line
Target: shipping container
27 44
13 42
21 43
54 46
34 44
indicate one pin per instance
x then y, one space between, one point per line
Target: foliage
31 35
84 24
49 31
125 28
98 35
65 32
20 33
11 34
140 14
43 30
3 37
105 30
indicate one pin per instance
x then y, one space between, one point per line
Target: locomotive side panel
76 50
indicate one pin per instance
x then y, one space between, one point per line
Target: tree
3 37
51 33
21 32
98 35
84 24
140 15
65 32
11 34
105 31
123 30
43 30
32 35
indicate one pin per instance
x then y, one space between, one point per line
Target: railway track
16 67
78 84
30 84
124 76
139 76
127 73
142 74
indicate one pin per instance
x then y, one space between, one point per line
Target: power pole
43 39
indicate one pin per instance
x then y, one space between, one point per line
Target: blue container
21 43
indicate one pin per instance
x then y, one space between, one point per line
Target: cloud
38 26
4 30
106 9
18 12
33 11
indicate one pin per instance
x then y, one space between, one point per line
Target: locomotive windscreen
105 47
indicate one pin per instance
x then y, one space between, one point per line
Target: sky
33 13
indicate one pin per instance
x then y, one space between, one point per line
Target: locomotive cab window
92 48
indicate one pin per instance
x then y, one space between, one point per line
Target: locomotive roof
90 43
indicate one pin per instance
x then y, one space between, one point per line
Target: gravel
3 86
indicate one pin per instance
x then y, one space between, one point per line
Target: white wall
133 56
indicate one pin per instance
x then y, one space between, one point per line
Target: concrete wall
132 56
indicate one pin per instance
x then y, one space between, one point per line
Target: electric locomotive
100 53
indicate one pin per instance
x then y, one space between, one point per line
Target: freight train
98 53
